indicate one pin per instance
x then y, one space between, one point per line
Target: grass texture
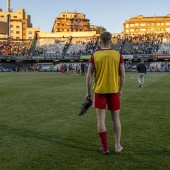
40 128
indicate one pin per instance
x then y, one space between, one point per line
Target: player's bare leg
117 130
101 120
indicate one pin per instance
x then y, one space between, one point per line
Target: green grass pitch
40 128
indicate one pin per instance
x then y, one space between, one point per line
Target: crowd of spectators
21 48
150 43
69 46
90 45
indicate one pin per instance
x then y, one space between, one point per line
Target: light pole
9 6
8 26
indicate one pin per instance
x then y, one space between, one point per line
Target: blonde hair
105 37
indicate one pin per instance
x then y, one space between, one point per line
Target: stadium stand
127 44
51 45
16 48
68 45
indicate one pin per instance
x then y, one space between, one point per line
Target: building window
17 32
136 24
167 29
11 31
127 31
29 32
142 24
63 15
127 25
132 25
14 16
29 37
2 16
17 37
162 23
142 30
131 30
11 26
168 23
17 26
158 24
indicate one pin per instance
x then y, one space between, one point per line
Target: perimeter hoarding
161 56
143 56
127 56
84 57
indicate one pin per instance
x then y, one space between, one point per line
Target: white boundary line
134 77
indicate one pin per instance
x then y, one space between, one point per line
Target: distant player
141 68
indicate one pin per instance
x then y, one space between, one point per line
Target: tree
100 29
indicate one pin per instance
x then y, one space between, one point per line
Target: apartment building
143 25
20 26
71 22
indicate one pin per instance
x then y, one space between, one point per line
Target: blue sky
110 14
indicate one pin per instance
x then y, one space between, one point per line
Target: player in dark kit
141 68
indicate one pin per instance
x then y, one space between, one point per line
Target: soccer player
82 69
141 68
108 66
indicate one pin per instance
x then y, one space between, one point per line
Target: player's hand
88 96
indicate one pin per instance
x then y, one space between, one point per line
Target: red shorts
112 100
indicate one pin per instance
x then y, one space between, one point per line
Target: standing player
82 69
141 68
108 66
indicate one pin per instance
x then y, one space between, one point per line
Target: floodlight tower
8 5
8 17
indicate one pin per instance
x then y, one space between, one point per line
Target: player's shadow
76 143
